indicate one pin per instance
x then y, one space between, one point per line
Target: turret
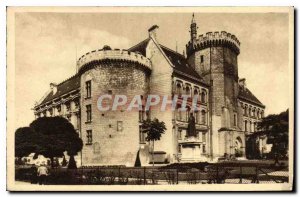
193 30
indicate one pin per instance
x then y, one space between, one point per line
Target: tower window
119 126
88 113
234 120
89 137
88 86
201 58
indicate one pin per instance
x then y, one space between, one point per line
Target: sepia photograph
150 98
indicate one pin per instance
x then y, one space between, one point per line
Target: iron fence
220 173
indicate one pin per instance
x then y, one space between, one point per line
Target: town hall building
228 110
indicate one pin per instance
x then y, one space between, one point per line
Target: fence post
177 176
256 181
217 178
144 175
241 173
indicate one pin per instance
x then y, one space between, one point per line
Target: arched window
196 93
249 114
246 125
203 97
245 110
250 126
188 90
178 89
203 117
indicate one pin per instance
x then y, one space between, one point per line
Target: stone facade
209 72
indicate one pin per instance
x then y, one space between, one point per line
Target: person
42 173
276 159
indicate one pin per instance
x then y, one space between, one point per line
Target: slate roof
64 87
181 66
140 47
246 94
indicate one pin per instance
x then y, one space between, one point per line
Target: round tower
111 137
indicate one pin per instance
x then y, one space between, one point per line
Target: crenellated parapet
113 55
213 39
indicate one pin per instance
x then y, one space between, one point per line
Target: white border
3 5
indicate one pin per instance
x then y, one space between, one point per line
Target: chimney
242 82
153 31
53 87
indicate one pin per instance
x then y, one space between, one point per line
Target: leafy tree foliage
277 127
25 142
154 130
51 137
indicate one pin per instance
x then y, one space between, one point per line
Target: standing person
42 173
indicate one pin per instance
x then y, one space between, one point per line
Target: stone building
228 110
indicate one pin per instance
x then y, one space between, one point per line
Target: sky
47 46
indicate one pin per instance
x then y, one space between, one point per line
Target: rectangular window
88 86
203 137
89 137
202 58
142 135
204 149
179 135
88 113
234 120
179 148
141 114
119 126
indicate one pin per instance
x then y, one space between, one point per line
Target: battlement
211 39
115 54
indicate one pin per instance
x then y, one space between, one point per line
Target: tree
25 142
277 128
64 162
55 135
154 129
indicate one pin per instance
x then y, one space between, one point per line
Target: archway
238 147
